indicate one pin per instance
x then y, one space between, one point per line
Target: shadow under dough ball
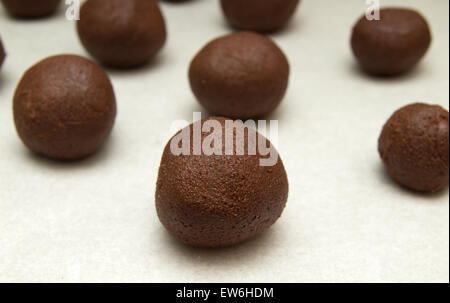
122 33
414 146
241 75
257 15
30 8
218 200
64 107
392 45
2 53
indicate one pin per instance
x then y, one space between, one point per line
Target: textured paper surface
345 221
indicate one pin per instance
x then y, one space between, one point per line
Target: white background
345 220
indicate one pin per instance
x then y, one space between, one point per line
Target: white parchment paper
345 221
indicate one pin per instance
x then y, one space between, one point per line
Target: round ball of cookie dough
64 107
30 8
257 15
122 33
241 75
213 199
392 45
414 146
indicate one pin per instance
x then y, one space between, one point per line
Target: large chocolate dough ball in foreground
392 45
241 75
122 33
219 200
259 15
64 107
414 146
30 8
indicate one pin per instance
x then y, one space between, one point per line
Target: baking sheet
345 220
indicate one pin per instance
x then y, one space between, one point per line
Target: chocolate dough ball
241 75
414 146
257 15
30 8
2 53
392 45
219 200
122 33
64 107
